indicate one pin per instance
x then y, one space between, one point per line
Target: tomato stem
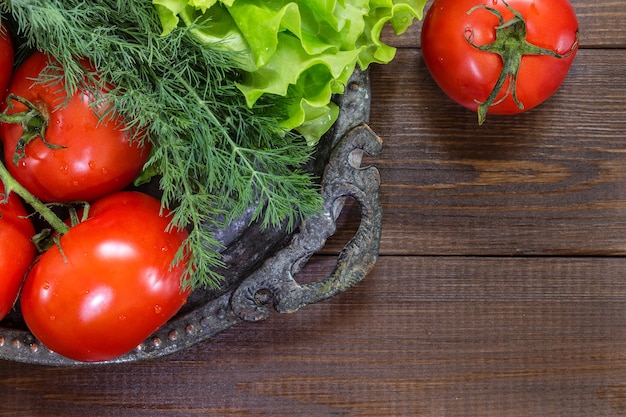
511 45
34 122
12 185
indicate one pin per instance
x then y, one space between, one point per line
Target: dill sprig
215 156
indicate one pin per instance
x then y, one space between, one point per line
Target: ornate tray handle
274 281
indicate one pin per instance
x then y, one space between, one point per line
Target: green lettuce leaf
304 50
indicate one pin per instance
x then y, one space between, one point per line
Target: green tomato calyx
511 45
34 122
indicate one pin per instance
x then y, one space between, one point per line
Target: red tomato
481 65
82 158
6 60
112 286
17 251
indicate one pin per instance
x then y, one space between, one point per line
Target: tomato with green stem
497 56
6 59
65 148
109 282
17 251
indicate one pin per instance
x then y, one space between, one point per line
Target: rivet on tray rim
354 86
157 342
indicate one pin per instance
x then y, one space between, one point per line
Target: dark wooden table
500 289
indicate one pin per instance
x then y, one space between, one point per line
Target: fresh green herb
215 155
302 49
218 86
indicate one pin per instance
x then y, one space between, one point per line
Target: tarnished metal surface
255 285
275 279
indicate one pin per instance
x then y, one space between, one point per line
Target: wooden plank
479 335
425 336
601 26
549 181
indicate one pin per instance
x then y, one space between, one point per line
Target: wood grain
499 291
421 336
601 25
537 183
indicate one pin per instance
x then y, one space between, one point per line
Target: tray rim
222 312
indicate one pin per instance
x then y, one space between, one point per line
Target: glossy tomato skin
17 251
116 287
96 157
6 60
467 75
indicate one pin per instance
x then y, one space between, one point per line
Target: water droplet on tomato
104 171
64 169
92 164
46 285
122 317
157 309
52 317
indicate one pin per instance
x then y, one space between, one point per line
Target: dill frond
215 156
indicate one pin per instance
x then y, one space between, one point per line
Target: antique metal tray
261 263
